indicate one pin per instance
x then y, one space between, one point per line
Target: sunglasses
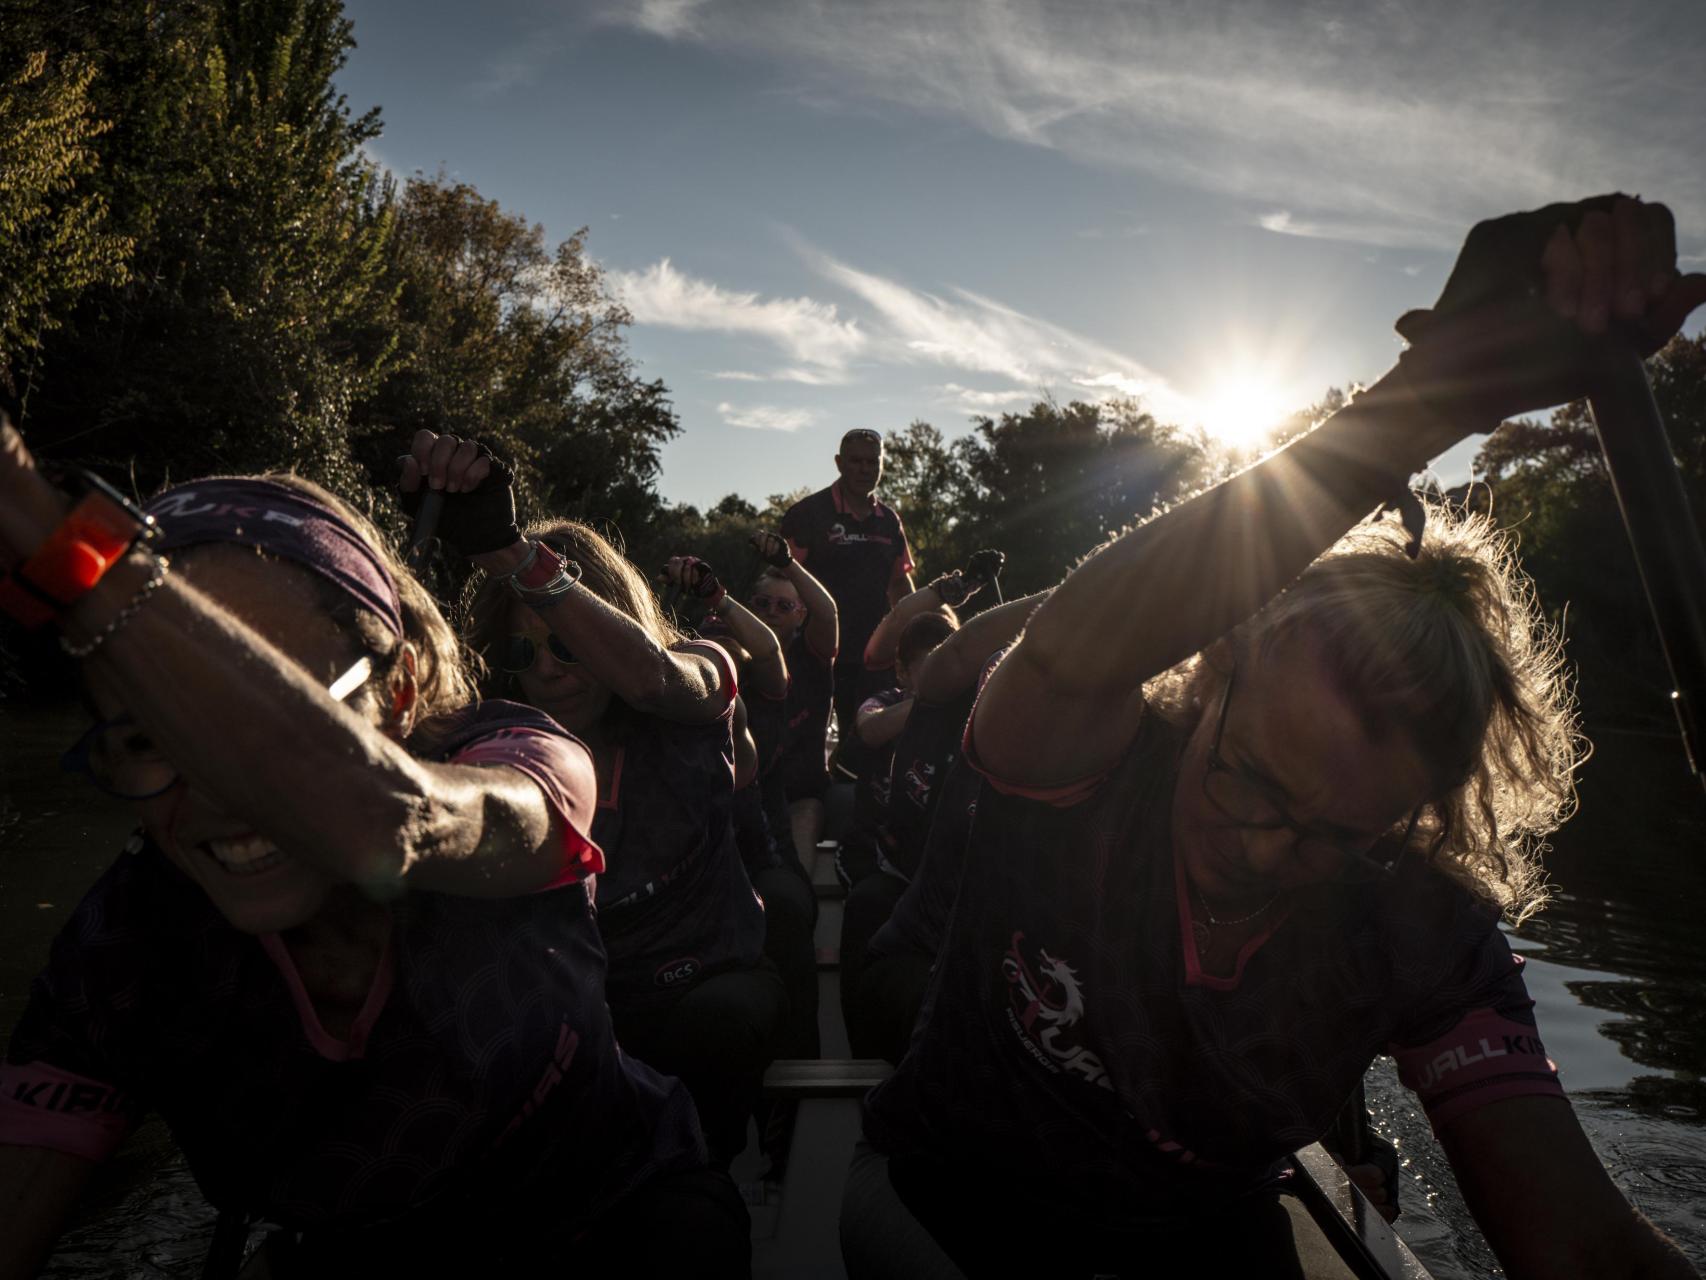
520 653
774 604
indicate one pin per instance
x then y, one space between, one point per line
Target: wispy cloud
763 417
811 332
900 325
964 330
1392 123
971 398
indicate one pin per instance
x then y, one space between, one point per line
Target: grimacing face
1290 726
860 463
257 885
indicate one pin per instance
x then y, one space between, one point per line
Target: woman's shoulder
441 736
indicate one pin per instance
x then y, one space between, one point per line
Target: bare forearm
823 620
954 665
249 726
1177 583
880 649
621 654
879 728
767 672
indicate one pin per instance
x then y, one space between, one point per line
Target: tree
522 346
55 241
925 479
255 311
1548 482
1048 485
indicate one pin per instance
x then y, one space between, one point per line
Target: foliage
255 311
54 236
1045 486
1549 482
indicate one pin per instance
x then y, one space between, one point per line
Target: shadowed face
565 691
777 604
860 463
257 885
1290 737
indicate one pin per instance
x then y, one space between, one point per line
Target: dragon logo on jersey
1045 1003
920 777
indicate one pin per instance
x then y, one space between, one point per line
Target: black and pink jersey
811 693
1070 1044
923 754
674 903
856 558
919 921
482 1065
865 847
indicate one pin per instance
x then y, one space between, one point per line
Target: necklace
1202 930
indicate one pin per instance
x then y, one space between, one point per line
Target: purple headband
281 521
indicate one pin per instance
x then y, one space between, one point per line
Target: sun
1242 411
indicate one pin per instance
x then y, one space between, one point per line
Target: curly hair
1450 648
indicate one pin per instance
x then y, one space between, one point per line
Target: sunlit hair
605 572
443 675
1450 648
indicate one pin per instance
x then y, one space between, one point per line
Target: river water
1617 967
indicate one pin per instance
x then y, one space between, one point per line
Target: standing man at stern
855 545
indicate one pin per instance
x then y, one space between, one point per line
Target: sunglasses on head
520 653
774 604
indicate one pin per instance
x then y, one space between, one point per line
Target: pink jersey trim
611 798
1194 974
1063 796
42 1105
571 789
1487 1057
325 1044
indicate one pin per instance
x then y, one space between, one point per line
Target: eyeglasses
520 653
1257 806
120 758
774 604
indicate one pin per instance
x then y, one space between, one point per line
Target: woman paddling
568 625
1228 853
350 954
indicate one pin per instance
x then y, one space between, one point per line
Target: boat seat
824 1077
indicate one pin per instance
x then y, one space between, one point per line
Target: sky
826 214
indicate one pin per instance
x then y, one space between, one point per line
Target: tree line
202 269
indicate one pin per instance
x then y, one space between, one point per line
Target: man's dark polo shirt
855 558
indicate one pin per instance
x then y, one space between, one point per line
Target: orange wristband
94 536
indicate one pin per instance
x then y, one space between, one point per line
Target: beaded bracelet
558 585
124 615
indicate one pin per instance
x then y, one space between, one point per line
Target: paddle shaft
426 527
1662 534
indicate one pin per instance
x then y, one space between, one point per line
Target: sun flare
1241 412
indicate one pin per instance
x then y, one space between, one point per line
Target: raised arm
953 666
1522 321
682 685
766 670
177 660
951 589
879 726
823 621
